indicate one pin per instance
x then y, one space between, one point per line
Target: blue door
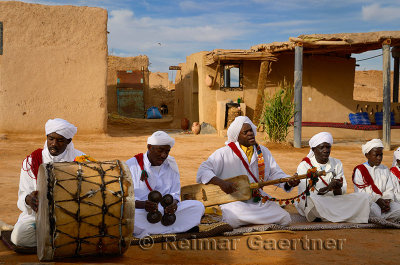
130 87
130 103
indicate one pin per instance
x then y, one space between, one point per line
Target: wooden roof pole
396 56
265 69
298 92
216 74
386 94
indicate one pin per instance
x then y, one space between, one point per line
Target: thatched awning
237 55
344 43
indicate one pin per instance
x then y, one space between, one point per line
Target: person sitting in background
164 109
329 201
395 174
374 179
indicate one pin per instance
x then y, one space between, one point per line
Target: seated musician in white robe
374 179
58 148
395 174
160 173
243 156
329 201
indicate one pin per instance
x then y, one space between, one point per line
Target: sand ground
362 246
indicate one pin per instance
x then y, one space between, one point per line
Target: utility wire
370 57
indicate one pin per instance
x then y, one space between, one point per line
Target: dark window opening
231 76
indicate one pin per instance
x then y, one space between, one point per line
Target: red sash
234 148
368 181
308 161
34 163
395 172
144 175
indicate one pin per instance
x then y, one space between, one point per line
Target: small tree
277 112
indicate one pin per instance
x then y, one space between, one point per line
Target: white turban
161 138
396 156
61 127
236 126
66 129
319 138
371 144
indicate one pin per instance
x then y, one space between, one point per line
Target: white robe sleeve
340 174
175 190
388 192
210 168
396 186
26 186
302 169
134 168
272 170
358 179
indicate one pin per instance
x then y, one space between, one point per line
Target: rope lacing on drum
102 227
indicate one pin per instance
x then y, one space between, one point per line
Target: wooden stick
319 42
268 232
282 180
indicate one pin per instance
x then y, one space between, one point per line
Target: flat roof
340 44
345 43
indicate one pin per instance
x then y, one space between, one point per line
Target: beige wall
328 88
115 64
368 86
158 80
327 85
54 64
251 70
187 89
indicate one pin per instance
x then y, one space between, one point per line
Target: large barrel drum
84 209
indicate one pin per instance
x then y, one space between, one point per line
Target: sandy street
360 246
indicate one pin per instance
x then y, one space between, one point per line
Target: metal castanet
154 217
168 218
154 196
212 194
167 200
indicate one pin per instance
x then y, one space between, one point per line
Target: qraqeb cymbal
168 219
154 217
167 200
155 196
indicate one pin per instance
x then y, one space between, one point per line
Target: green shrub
277 112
